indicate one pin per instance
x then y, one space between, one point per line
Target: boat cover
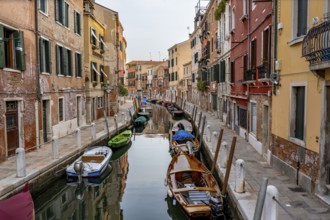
19 206
182 135
141 119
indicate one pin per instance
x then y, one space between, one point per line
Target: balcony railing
316 46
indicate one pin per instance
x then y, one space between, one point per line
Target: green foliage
122 90
220 9
201 86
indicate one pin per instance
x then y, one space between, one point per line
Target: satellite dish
275 78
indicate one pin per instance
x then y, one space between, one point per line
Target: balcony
316 48
250 75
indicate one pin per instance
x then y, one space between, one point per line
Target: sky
153 26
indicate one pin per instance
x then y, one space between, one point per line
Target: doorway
45 119
93 108
12 126
265 131
79 108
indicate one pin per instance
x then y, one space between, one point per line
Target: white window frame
292 113
46 7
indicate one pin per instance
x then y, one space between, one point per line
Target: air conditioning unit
278 65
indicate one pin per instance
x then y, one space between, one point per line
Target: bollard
208 133
270 206
239 176
55 150
78 137
93 128
20 162
223 157
214 140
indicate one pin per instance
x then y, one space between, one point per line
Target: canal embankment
49 161
290 202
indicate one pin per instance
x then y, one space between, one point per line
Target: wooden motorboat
93 162
19 206
193 186
120 140
182 124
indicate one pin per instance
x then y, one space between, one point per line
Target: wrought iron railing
316 44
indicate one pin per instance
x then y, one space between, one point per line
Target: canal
132 187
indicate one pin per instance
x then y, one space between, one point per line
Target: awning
94 68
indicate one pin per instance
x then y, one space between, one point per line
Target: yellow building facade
94 71
298 94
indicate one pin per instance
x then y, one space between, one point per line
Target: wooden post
192 116
217 151
199 123
195 115
230 159
202 133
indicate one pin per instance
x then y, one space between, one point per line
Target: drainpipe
275 38
38 95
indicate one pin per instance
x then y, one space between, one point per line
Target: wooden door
12 127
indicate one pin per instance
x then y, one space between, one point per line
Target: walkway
41 161
297 203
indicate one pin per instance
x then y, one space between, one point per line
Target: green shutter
49 59
56 11
2 48
65 61
41 51
19 50
58 70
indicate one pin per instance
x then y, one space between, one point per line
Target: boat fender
165 182
169 193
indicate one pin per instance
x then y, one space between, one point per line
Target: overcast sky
153 26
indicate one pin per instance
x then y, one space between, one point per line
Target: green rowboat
121 139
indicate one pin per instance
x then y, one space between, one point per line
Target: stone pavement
40 162
294 202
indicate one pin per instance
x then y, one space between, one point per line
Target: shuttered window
78 64
77 23
60 109
69 63
62 11
12 53
45 56
302 17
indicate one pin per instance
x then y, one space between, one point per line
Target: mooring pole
202 133
217 151
199 123
192 115
261 199
230 159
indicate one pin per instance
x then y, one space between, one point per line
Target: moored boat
182 124
140 121
93 162
182 140
194 187
121 139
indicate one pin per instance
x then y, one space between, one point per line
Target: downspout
37 71
275 39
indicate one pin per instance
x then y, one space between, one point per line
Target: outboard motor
180 126
190 146
216 208
78 167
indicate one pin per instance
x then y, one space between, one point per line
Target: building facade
18 84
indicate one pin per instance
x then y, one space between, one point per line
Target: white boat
94 162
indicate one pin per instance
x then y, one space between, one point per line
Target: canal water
132 187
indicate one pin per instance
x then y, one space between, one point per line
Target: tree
122 90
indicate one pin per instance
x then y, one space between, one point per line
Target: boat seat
92 158
198 197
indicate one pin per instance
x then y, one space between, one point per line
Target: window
253 119
100 102
297 112
78 64
11 48
253 54
176 75
242 113
63 61
43 6
232 69
299 20
196 57
222 71
45 56
61 12
77 23
94 72
102 44
66 17
102 73
232 20
245 3
172 62
176 61
245 64
60 109
266 54
68 71
93 36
